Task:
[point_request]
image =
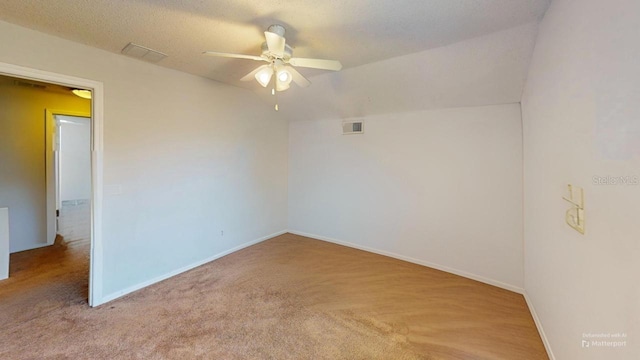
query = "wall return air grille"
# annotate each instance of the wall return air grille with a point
(352, 127)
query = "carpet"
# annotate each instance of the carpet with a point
(289, 297)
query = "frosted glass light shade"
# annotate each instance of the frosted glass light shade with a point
(284, 76)
(280, 86)
(264, 76)
(85, 94)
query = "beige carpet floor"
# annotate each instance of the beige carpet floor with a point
(286, 298)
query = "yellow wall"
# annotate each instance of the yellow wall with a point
(22, 157)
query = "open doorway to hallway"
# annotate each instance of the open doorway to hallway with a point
(72, 163)
(36, 179)
(97, 113)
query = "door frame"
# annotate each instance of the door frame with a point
(97, 149)
(52, 166)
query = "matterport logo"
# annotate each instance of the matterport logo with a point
(616, 180)
(604, 340)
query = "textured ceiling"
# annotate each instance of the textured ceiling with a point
(356, 32)
(486, 70)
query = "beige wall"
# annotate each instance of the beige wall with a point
(581, 112)
(185, 158)
(439, 187)
(22, 158)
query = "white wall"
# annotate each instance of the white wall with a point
(581, 111)
(487, 70)
(184, 158)
(439, 187)
(75, 157)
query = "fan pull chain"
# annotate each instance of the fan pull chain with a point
(274, 93)
(273, 90)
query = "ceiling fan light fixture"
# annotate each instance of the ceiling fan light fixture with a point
(280, 86)
(85, 94)
(264, 76)
(284, 76)
(280, 71)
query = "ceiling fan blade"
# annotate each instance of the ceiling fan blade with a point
(334, 65)
(251, 76)
(234, 56)
(275, 43)
(297, 77)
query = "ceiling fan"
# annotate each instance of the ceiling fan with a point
(279, 72)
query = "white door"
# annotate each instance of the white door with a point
(74, 157)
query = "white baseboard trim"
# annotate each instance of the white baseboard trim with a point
(120, 293)
(33, 247)
(536, 320)
(462, 273)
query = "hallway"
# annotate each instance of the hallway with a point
(43, 280)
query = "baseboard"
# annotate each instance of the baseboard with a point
(118, 294)
(38, 246)
(415, 261)
(536, 320)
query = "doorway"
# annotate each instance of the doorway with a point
(94, 202)
(72, 173)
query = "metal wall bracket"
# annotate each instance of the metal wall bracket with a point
(575, 215)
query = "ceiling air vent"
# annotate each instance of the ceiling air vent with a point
(143, 53)
(29, 84)
(352, 127)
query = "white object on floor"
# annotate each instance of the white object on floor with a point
(4, 243)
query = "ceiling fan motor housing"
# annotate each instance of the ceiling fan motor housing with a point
(288, 52)
(276, 29)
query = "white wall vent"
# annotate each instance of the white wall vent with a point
(352, 127)
(144, 53)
